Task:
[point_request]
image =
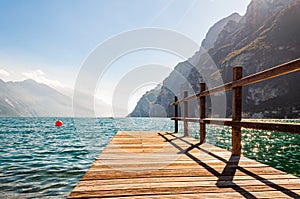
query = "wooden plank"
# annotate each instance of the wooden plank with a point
(145, 191)
(191, 183)
(103, 182)
(180, 168)
(272, 194)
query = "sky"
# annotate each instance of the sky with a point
(50, 40)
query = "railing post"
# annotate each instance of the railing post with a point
(176, 114)
(236, 112)
(202, 114)
(185, 114)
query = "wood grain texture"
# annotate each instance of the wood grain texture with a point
(176, 115)
(186, 115)
(293, 128)
(202, 112)
(236, 132)
(167, 165)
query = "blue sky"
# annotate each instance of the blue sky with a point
(49, 40)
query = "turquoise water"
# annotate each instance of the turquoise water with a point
(39, 160)
(277, 149)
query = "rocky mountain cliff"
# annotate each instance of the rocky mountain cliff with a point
(215, 30)
(266, 36)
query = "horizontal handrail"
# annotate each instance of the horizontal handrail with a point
(276, 71)
(236, 121)
(269, 126)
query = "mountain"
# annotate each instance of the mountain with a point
(266, 36)
(29, 98)
(215, 30)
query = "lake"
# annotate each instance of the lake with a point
(40, 160)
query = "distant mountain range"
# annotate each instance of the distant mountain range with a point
(29, 98)
(32, 99)
(266, 36)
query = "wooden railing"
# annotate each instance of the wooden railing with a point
(236, 121)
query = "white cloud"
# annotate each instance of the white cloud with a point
(40, 77)
(4, 73)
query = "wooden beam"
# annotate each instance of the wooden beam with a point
(202, 114)
(185, 114)
(289, 67)
(268, 126)
(176, 115)
(236, 136)
(276, 71)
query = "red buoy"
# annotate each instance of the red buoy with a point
(58, 123)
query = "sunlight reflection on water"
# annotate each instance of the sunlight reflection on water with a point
(41, 160)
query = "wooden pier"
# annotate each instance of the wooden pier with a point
(168, 165)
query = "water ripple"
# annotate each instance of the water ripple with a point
(39, 160)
